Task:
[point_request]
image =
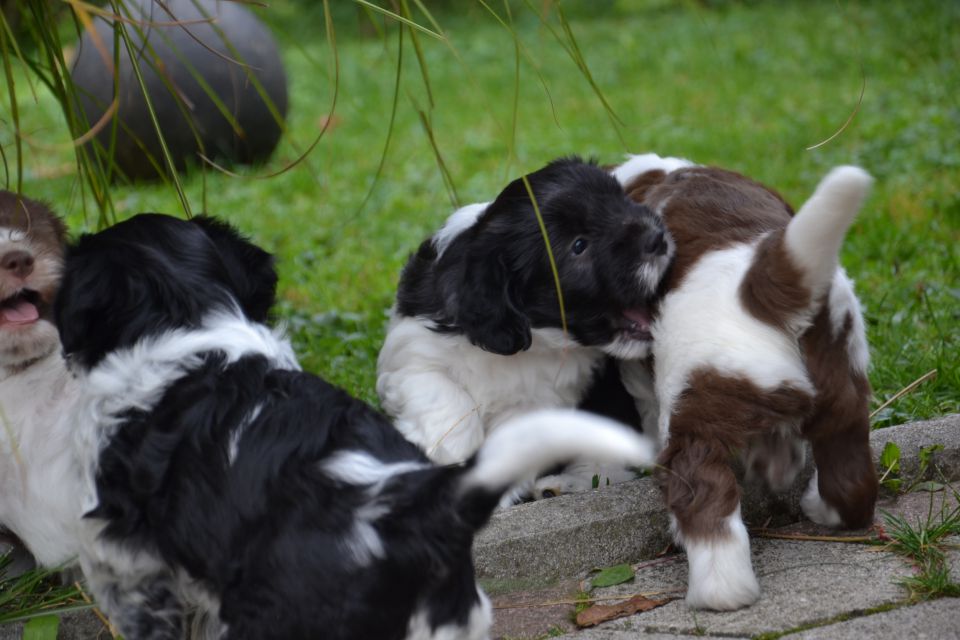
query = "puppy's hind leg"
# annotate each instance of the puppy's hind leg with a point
(843, 492)
(704, 500)
(137, 593)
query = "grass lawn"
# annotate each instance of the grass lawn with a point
(746, 86)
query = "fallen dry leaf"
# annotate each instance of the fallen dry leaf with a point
(604, 612)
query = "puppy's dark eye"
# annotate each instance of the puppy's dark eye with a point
(579, 246)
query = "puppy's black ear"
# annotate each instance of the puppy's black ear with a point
(100, 306)
(249, 268)
(489, 310)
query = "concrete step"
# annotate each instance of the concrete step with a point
(542, 542)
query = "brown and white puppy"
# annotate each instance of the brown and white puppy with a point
(759, 343)
(37, 471)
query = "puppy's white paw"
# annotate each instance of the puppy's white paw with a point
(721, 574)
(815, 508)
(581, 477)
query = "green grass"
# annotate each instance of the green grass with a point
(745, 86)
(924, 543)
(35, 594)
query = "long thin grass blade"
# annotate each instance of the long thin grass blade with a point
(399, 18)
(570, 45)
(421, 62)
(853, 114)
(331, 37)
(448, 182)
(151, 111)
(390, 126)
(530, 59)
(553, 263)
(14, 111)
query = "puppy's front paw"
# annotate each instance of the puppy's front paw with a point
(581, 477)
(559, 484)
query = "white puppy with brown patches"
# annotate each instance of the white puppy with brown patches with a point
(37, 472)
(759, 342)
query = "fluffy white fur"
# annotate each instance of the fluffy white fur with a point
(816, 509)
(460, 393)
(136, 378)
(38, 474)
(521, 445)
(814, 236)
(721, 573)
(636, 165)
(459, 221)
(844, 303)
(478, 626)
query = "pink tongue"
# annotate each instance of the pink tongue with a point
(640, 316)
(22, 313)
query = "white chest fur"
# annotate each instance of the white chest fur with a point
(447, 394)
(39, 476)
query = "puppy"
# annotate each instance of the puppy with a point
(220, 477)
(478, 334)
(758, 342)
(35, 388)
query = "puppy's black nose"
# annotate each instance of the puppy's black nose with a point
(655, 243)
(18, 262)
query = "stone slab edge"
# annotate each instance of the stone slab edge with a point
(563, 537)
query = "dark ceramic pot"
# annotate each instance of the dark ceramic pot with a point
(172, 58)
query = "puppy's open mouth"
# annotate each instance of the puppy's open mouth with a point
(637, 323)
(22, 308)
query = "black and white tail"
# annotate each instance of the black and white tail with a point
(530, 444)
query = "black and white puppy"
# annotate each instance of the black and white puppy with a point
(479, 333)
(36, 465)
(218, 476)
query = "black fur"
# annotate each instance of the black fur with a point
(494, 283)
(263, 532)
(116, 278)
(607, 396)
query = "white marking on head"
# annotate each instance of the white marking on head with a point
(636, 165)
(651, 272)
(459, 221)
